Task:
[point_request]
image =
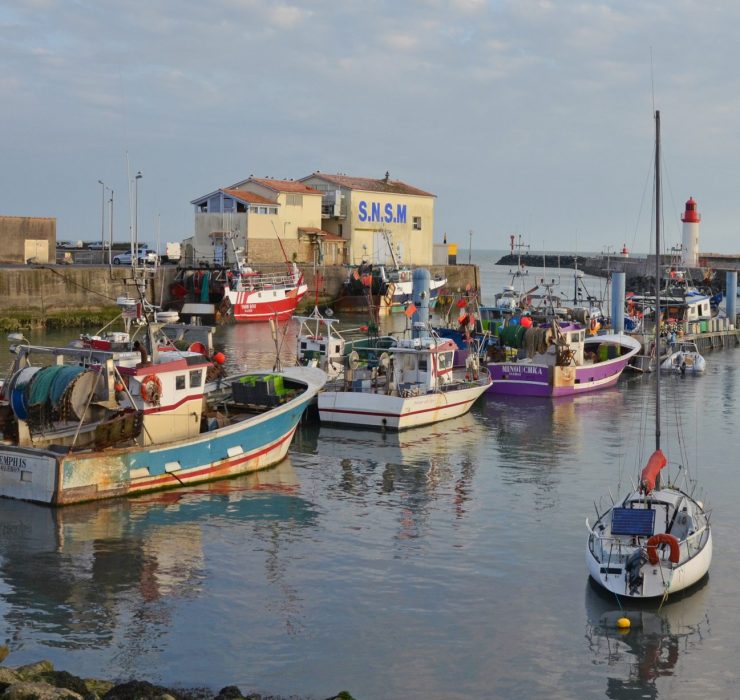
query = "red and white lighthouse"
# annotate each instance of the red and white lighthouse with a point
(690, 244)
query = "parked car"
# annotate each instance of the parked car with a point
(144, 257)
(98, 245)
(69, 244)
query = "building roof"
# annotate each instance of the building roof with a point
(294, 186)
(243, 195)
(368, 184)
(249, 197)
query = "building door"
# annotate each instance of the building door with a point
(382, 243)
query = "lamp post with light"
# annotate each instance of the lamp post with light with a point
(135, 250)
(102, 217)
(110, 221)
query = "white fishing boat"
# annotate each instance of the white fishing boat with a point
(685, 357)
(657, 540)
(319, 343)
(415, 383)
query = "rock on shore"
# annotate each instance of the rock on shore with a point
(40, 681)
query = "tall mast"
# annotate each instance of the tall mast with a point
(657, 282)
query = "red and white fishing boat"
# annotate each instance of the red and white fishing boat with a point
(260, 297)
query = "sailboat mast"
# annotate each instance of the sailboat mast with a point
(657, 280)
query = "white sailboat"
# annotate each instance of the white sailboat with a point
(658, 539)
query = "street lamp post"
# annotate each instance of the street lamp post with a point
(110, 237)
(134, 252)
(102, 216)
(470, 247)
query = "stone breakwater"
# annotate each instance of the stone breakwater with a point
(40, 681)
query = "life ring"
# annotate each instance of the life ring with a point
(663, 538)
(151, 389)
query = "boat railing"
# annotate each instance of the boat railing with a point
(616, 549)
(261, 282)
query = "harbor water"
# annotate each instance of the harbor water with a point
(443, 563)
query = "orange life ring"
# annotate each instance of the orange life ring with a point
(663, 538)
(151, 388)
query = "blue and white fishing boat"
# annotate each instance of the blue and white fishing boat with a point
(107, 420)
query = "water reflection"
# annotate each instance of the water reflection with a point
(73, 575)
(408, 470)
(651, 648)
(532, 431)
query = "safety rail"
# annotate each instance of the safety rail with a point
(258, 282)
(688, 548)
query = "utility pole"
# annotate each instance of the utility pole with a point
(102, 218)
(135, 251)
(110, 241)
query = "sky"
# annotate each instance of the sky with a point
(524, 117)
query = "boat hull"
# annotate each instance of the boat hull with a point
(679, 578)
(366, 409)
(530, 379)
(263, 305)
(59, 479)
(526, 379)
(358, 303)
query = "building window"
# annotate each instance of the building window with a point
(417, 223)
(294, 200)
(273, 210)
(340, 229)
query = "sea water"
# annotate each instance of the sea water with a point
(444, 562)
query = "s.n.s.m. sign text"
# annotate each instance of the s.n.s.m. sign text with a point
(383, 213)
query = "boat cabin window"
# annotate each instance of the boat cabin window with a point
(445, 360)
(196, 377)
(409, 361)
(180, 381)
(423, 363)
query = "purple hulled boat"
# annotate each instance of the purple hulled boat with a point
(558, 359)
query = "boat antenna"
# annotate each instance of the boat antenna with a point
(657, 286)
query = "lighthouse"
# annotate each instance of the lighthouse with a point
(690, 244)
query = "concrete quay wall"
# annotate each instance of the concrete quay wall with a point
(43, 290)
(60, 288)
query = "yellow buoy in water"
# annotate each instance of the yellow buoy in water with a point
(623, 623)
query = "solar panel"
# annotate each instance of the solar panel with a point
(633, 521)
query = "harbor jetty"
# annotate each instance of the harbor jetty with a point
(638, 269)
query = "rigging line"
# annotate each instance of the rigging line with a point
(666, 176)
(76, 284)
(642, 204)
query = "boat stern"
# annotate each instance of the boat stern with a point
(29, 475)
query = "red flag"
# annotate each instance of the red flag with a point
(462, 303)
(356, 275)
(410, 309)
